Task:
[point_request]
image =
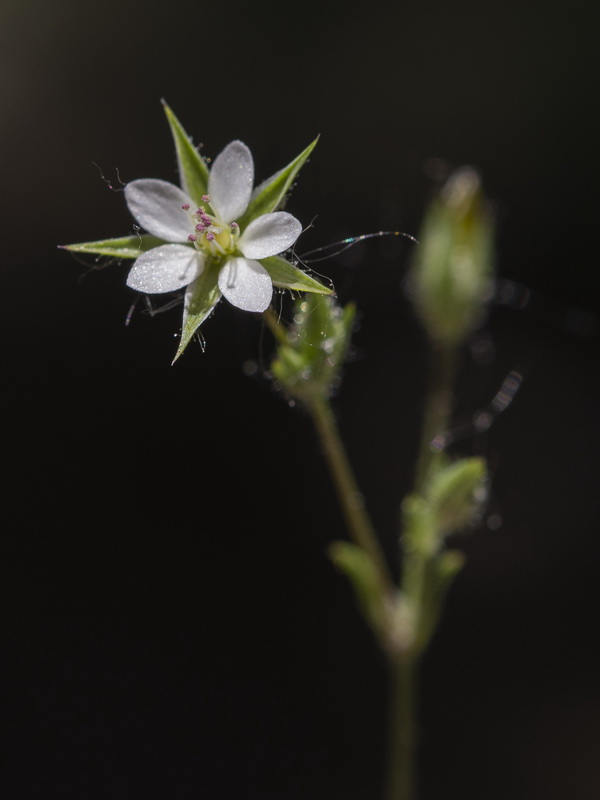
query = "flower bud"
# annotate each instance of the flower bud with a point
(452, 269)
(307, 366)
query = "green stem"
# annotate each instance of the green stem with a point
(350, 498)
(401, 771)
(438, 406)
(415, 585)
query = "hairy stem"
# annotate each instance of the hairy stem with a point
(351, 500)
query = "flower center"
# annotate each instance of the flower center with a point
(210, 234)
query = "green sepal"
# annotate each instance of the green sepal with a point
(193, 172)
(287, 276)
(271, 194)
(123, 247)
(200, 298)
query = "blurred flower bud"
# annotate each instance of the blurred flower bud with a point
(307, 366)
(452, 269)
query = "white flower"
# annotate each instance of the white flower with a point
(209, 236)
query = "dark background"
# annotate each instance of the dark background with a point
(171, 625)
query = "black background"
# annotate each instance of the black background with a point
(171, 625)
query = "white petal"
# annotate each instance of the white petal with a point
(230, 181)
(165, 269)
(156, 206)
(246, 284)
(269, 235)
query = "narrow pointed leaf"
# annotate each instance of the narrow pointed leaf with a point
(270, 195)
(201, 297)
(123, 247)
(193, 172)
(442, 572)
(358, 566)
(287, 276)
(456, 493)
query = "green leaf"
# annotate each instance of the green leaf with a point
(200, 298)
(388, 613)
(456, 493)
(441, 573)
(270, 195)
(287, 276)
(123, 247)
(358, 566)
(193, 172)
(419, 529)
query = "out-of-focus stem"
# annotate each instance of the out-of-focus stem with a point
(438, 406)
(415, 586)
(402, 723)
(350, 498)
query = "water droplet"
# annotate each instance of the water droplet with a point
(482, 421)
(494, 521)
(250, 368)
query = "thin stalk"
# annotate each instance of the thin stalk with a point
(438, 406)
(402, 738)
(415, 586)
(351, 500)
(400, 781)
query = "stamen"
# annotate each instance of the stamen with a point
(186, 206)
(205, 199)
(210, 234)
